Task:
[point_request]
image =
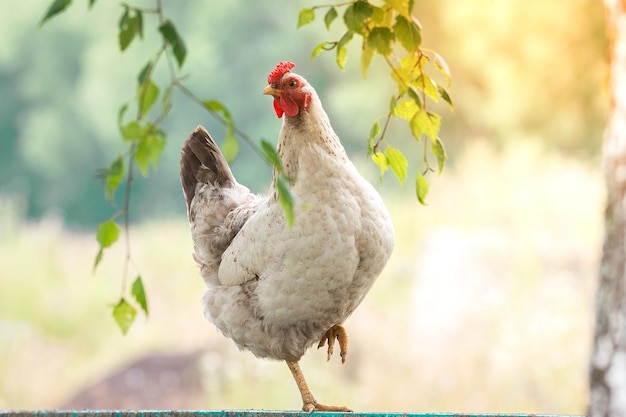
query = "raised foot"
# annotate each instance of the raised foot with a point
(315, 406)
(339, 333)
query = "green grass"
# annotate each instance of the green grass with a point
(485, 306)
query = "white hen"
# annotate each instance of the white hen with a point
(276, 290)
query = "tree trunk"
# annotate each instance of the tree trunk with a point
(608, 361)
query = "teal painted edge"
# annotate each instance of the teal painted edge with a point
(239, 413)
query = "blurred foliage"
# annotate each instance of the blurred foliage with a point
(521, 71)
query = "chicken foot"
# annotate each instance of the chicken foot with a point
(338, 332)
(308, 400)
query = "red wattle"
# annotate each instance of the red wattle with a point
(277, 109)
(289, 106)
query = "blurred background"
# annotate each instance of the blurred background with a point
(487, 302)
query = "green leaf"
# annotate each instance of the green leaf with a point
(380, 159)
(170, 34)
(137, 290)
(149, 151)
(306, 16)
(108, 232)
(147, 95)
(145, 73)
(132, 131)
(217, 107)
(166, 99)
(406, 109)
(113, 177)
(408, 34)
(230, 147)
(398, 163)
(380, 38)
(427, 123)
(445, 96)
(440, 153)
(392, 103)
(129, 27)
(443, 67)
(356, 14)
(139, 23)
(120, 115)
(55, 8)
(91, 3)
(318, 49)
(379, 16)
(367, 53)
(124, 315)
(272, 155)
(375, 131)
(98, 258)
(330, 17)
(342, 51)
(421, 188)
(286, 200)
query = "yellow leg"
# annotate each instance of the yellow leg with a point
(336, 332)
(308, 400)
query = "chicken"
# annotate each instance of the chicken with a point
(276, 289)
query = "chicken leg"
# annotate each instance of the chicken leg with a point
(308, 400)
(338, 332)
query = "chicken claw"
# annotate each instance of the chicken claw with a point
(309, 403)
(336, 332)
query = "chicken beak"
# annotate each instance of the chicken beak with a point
(271, 91)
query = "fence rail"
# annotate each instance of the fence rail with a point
(239, 413)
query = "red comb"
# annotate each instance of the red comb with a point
(277, 73)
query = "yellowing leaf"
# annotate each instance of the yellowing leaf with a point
(427, 123)
(366, 58)
(306, 16)
(124, 315)
(318, 50)
(342, 51)
(440, 153)
(406, 109)
(427, 85)
(397, 162)
(421, 188)
(380, 159)
(402, 6)
(443, 67)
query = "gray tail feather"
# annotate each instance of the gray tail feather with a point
(202, 161)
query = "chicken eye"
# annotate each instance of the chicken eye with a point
(293, 83)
